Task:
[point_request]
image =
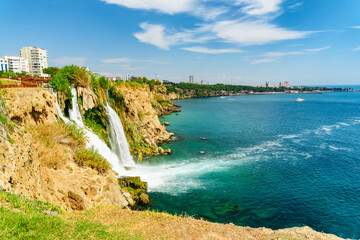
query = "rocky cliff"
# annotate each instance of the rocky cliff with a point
(28, 166)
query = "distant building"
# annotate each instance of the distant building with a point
(202, 82)
(191, 79)
(267, 84)
(287, 84)
(4, 64)
(37, 58)
(17, 64)
(127, 77)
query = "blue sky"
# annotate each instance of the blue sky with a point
(306, 42)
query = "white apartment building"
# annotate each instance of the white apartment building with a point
(4, 64)
(191, 79)
(17, 64)
(38, 60)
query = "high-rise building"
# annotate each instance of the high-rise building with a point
(287, 84)
(191, 79)
(38, 59)
(17, 64)
(4, 64)
(202, 82)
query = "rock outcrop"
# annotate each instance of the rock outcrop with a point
(28, 107)
(89, 99)
(141, 109)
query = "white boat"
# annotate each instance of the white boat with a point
(300, 99)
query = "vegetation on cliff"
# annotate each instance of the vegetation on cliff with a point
(100, 91)
(198, 90)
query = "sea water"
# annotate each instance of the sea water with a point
(270, 162)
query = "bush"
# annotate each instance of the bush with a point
(91, 158)
(60, 83)
(104, 83)
(82, 77)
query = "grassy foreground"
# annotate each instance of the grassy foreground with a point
(21, 218)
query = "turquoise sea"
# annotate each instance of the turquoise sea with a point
(270, 162)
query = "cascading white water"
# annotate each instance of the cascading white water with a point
(93, 140)
(75, 111)
(61, 114)
(118, 141)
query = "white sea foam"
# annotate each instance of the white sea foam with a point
(177, 178)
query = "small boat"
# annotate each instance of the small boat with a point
(300, 99)
(204, 139)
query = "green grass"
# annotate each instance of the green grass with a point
(21, 218)
(91, 158)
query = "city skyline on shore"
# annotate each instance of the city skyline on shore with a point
(236, 42)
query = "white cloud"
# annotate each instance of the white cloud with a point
(255, 30)
(356, 27)
(117, 60)
(260, 7)
(155, 35)
(158, 36)
(295, 5)
(80, 61)
(254, 33)
(357, 49)
(164, 6)
(281, 54)
(318, 49)
(211, 51)
(264, 60)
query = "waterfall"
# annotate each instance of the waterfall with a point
(61, 114)
(118, 141)
(75, 111)
(93, 140)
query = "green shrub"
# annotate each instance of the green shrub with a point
(104, 83)
(96, 119)
(91, 158)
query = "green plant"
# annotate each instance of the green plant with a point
(104, 83)
(96, 119)
(91, 158)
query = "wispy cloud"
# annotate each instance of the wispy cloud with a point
(117, 60)
(127, 60)
(356, 27)
(254, 32)
(158, 36)
(357, 49)
(263, 60)
(164, 6)
(260, 7)
(70, 61)
(281, 54)
(318, 49)
(211, 51)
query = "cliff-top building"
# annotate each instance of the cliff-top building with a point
(4, 64)
(38, 60)
(17, 64)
